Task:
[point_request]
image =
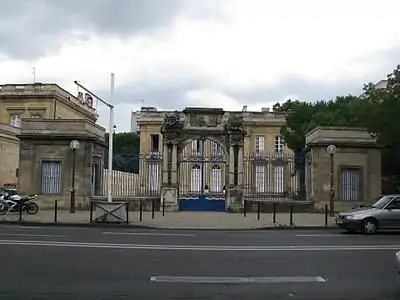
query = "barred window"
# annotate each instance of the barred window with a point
(51, 178)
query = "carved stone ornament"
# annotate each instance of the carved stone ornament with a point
(26, 145)
(203, 120)
(235, 123)
(172, 122)
(237, 139)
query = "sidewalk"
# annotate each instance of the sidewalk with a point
(183, 220)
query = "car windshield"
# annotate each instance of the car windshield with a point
(380, 202)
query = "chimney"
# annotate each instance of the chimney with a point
(244, 108)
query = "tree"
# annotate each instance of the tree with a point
(383, 108)
(382, 119)
(377, 110)
(125, 152)
(302, 117)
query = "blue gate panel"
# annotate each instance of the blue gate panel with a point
(201, 203)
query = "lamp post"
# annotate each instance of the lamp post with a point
(331, 149)
(74, 145)
(111, 130)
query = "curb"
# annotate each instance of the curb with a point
(136, 226)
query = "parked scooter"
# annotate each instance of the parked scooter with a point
(11, 203)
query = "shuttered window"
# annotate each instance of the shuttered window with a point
(51, 178)
(279, 178)
(350, 184)
(153, 177)
(260, 178)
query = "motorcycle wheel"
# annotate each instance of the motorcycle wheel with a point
(31, 208)
(3, 209)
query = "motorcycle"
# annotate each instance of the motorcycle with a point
(16, 203)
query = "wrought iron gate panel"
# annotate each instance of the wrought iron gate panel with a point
(272, 177)
(202, 177)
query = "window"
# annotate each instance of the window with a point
(15, 120)
(153, 177)
(216, 179)
(154, 142)
(195, 184)
(395, 204)
(197, 146)
(350, 187)
(259, 144)
(216, 148)
(51, 178)
(278, 178)
(279, 144)
(260, 179)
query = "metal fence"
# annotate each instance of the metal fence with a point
(202, 176)
(134, 175)
(275, 177)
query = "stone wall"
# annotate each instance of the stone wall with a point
(49, 141)
(355, 150)
(9, 149)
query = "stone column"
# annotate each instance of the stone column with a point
(169, 190)
(240, 166)
(174, 175)
(231, 165)
(165, 164)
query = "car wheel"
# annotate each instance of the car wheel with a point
(369, 226)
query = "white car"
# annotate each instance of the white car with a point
(398, 262)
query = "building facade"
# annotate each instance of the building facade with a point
(33, 101)
(268, 166)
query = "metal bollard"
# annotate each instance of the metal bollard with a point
(141, 211)
(20, 212)
(244, 208)
(152, 208)
(55, 210)
(291, 214)
(127, 213)
(91, 211)
(326, 215)
(258, 209)
(163, 208)
(274, 213)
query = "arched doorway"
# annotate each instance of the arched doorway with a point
(202, 176)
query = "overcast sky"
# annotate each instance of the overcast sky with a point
(216, 53)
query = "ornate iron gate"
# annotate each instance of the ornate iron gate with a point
(202, 177)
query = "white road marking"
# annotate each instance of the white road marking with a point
(32, 235)
(325, 235)
(147, 234)
(199, 247)
(235, 280)
(21, 227)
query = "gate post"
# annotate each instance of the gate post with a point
(235, 192)
(169, 188)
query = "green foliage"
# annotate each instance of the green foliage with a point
(377, 110)
(302, 117)
(383, 108)
(126, 152)
(125, 142)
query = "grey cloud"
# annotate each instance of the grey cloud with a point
(31, 28)
(174, 98)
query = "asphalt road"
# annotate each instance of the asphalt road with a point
(94, 263)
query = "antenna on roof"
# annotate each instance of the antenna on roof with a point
(141, 102)
(34, 74)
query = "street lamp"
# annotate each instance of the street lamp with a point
(111, 130)
(331, 149)
(74, 145)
